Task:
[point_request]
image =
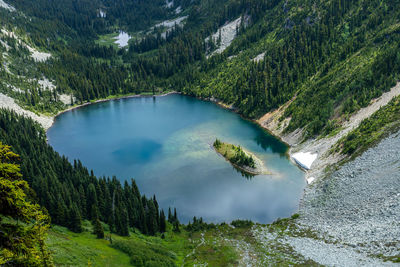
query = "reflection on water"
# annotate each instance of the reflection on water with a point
(268, 142)
(165, 144)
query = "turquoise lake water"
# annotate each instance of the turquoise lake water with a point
(165, 144)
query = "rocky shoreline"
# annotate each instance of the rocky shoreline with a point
(354, 211)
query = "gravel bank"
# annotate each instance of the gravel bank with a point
(228, 34)
(332, 255)
(322, 146)
(9, 103)
(6, 6)
(357, 206)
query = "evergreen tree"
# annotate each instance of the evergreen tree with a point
(60, 186)
(98, 229)
(163, 223)
(75, 221)
(151, 218)
(170, 218)
(91, 200)
(95, 213)
(175, 216)
(175, 227)
(21, 244)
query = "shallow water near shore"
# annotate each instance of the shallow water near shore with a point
(165, 144)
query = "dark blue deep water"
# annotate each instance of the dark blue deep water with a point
(165, 145)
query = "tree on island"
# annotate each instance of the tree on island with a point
(217, 143)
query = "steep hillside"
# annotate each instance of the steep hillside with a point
(322, 75)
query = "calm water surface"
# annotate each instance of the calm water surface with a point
(165, 145)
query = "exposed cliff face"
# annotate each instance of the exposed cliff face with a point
(322, 145)
(352, 212)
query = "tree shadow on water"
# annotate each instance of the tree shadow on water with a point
(245, 174)
(267, 141)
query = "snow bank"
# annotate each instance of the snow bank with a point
(102, 14)
(6, 6)
(122, 39)
(310, 180)
(305, 160)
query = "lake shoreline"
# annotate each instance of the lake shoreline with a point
(169, 139)
(212, 100)
(105, 100)
(255, 121)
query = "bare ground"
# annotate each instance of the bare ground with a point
(9, 103)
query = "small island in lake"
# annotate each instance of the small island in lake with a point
(239, 158)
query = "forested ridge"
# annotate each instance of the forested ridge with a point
(343, 51)
(325, 59)
(70, 193)
(346, 52)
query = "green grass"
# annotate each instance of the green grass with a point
(219, 246)
(81, 249)
(72, 249)
(108, 39)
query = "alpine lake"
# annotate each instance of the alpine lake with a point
(165, 144)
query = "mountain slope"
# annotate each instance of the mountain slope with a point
(315, 73)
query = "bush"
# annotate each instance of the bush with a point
(242, 223)
(144, 254)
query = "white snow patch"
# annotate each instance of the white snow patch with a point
(305, 160)
(259, 57)
(228, 34)
(102, 14)
(9, 103)
(122, 39)
(6, 6)
(310, 180)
